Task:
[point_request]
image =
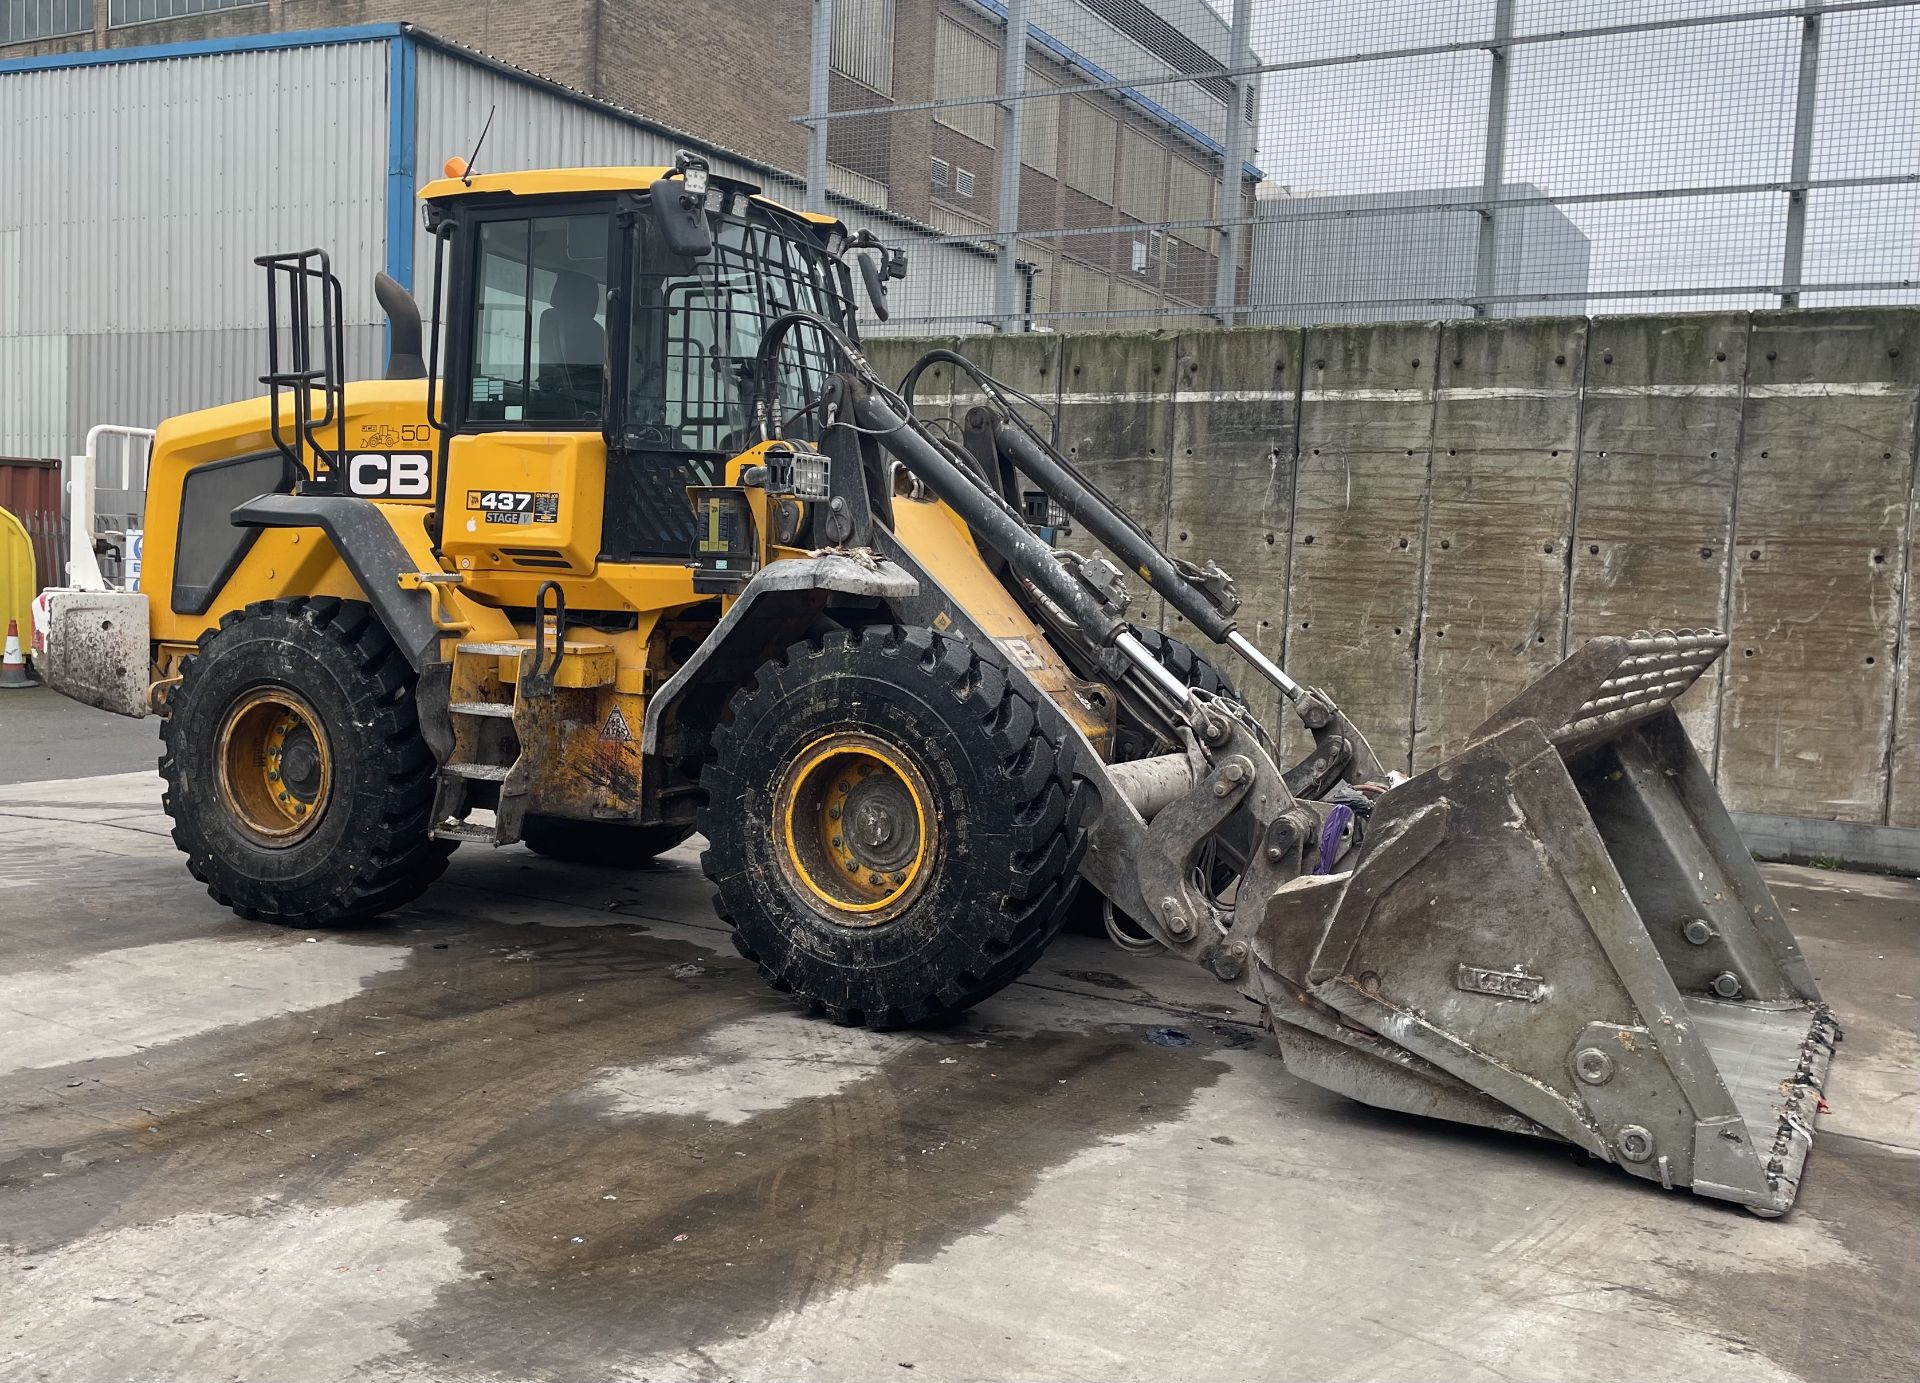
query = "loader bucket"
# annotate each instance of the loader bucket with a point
(1558, 931)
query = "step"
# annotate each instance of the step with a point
(486, 773)
(499, 710)
(463, 830)
(585, 664)
(507, 648)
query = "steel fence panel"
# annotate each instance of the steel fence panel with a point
(1395, 158)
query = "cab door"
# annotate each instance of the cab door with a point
(528, 386)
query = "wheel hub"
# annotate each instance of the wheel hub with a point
(857, 820)
(884, 829)
(273, 767)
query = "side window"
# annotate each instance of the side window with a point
(539, 329)
(697, 330)
(713, 336)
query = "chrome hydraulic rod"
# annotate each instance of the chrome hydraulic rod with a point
(1111, 527)
(1155, 670)
(1264, 665)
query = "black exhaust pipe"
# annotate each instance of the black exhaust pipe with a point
(404, 360)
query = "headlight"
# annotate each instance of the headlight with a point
(693, 169)
(800, 471)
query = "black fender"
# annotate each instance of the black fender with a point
(778, 605)
(372, 551)
(377, 558)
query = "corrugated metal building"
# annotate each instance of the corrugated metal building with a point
(1393, 256)
(141, 182)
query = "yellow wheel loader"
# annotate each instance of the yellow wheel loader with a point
(653, 551)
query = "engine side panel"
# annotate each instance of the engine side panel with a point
(198, 566)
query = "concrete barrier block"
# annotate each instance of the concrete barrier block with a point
(1235, 433)
(1820, 520)
(1366, 428)
(1659, 447)
(1506, 427)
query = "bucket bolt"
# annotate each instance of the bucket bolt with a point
(1726, 984)
(1636, 1144)
(1234, 771)
(1698, 931)
(1227, 962)
(1175, 918)
(1593, 1066)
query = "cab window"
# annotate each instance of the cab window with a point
(539, 329)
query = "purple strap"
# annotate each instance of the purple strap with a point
(1330, 837)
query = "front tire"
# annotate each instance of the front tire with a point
(890, 825)
(298, 783)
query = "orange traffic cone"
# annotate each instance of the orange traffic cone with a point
(13, 663)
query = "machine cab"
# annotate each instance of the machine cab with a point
(603, 333)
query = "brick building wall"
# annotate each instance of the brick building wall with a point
(734, 72)
(554, 38)
(731, 71)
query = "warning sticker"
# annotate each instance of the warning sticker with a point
(1022, 653)
(616, 727)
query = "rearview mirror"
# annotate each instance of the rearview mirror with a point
(876, 285)
(680, 208)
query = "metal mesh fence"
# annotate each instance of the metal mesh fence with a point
(1389, 158)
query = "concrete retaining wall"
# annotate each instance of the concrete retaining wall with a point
(1423, 517)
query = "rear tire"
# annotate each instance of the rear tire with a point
(611, 844)
(298, 783)
(966, 848)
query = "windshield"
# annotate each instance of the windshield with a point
(697, 328)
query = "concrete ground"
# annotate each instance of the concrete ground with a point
(547, 1125)
(44, 735)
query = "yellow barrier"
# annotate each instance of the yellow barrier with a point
(17, 584)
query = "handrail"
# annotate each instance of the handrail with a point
(82, 479)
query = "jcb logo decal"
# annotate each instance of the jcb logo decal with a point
(400, 474)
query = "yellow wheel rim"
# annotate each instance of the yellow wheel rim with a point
(857, 822)
(273, 766)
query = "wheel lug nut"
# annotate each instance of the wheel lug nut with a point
(836, 843)
(833, 813)
(898, 877)
(875, 879)
(273, 775)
